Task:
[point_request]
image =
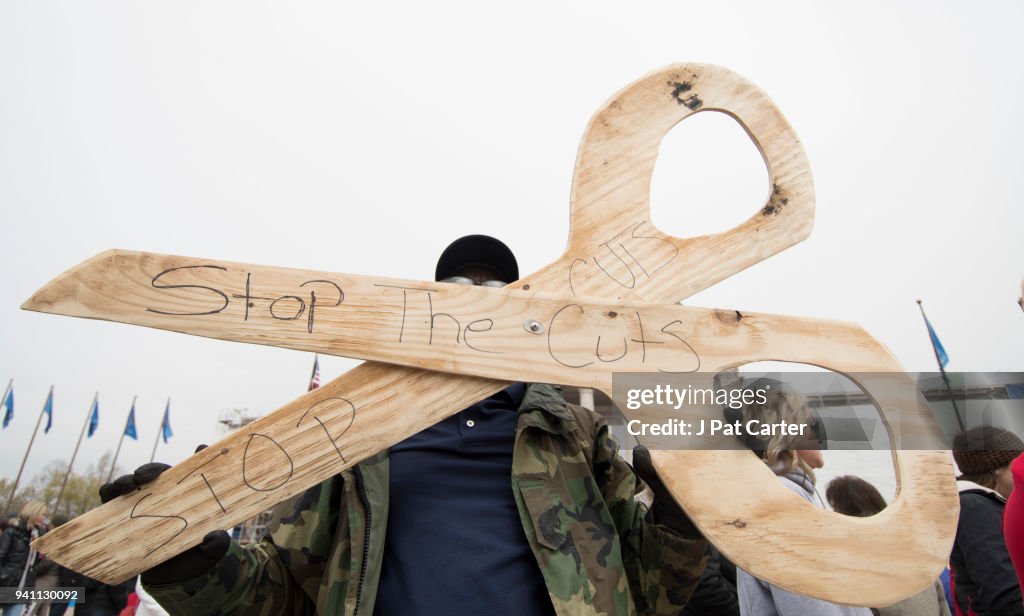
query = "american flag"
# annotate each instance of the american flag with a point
(314, 381)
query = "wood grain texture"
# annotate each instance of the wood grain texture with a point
(476, 331)
(616, 254)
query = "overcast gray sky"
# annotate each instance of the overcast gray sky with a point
(362, 137)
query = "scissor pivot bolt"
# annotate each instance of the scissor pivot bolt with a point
(532, 326)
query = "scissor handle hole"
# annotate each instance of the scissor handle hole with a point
(709, 177)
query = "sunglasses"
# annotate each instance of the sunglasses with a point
(469, 281)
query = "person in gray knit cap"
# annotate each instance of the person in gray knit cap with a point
(982, 576)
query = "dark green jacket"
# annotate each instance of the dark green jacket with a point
(597, 552)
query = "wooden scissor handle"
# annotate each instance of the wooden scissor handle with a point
(615, 251)
(739, 505)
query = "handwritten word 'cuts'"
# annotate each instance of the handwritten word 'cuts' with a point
(625, 338)
(263, 464)
(287, 307)
(622, 259)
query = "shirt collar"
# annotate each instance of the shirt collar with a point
(513, 394)
(962, 485)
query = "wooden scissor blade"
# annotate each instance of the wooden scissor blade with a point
(498, 333)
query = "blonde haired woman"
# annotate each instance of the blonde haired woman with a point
(17, 557)
(793, 459)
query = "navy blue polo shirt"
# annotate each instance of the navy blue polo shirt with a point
(455, 544)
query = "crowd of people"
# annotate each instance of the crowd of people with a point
(521, 505)
(986, 564)
(22, 568)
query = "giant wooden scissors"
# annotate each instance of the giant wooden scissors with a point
(608, 304)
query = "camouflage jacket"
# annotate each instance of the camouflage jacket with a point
(597, 550)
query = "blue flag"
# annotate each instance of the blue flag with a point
(939, 351)
(94, 418)
(9, 404)
(129, 426)
(167, 422)
(48, 410)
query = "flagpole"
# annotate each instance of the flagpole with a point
(945, 379)
(17, 480)
(160, 432)
(316, 365)
(88, 420)
(120, 442)
(6, 391)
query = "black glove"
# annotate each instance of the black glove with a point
(665, 510)
(191, 563)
